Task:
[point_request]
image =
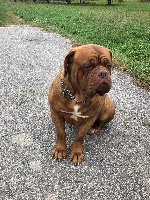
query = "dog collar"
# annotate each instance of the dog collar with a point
(67, 92)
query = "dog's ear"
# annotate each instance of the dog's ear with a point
(68, 61)
(110, 54)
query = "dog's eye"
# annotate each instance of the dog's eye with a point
(88, 67)
(109, 66)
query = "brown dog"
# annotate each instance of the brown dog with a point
(78, 96)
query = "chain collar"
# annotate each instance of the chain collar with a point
(67, 92)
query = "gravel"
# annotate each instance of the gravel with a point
(116, 160)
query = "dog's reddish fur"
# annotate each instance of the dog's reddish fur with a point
(87, 75)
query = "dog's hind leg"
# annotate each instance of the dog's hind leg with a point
(95, 128)
(105, 117)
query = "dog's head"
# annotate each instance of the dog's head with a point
(88, 68)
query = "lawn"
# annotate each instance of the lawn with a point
(125, 29)
(3, 14)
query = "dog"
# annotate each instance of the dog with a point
(78, 96)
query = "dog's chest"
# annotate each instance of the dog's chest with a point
(75, 114)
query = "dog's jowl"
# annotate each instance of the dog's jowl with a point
(78, 96)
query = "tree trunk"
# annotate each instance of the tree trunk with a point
(109, 2)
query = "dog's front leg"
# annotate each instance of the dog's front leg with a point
(60, 150)
(77, 152)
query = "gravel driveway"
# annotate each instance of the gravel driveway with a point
(116, 160)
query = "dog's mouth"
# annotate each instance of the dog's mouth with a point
(97, 82)
(102, 89)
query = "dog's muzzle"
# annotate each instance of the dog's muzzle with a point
(97, 82)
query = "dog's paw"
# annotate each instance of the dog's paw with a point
(76, 157)
(59, 153)
(94, 130)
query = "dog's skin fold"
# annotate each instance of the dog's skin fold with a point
(87, 75)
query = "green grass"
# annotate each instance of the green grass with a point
(124, 29)
(3, 14)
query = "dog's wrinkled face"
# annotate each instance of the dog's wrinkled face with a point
(89, 68)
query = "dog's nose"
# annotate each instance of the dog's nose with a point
(102, 74)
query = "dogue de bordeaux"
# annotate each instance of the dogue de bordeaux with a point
(78, 96)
